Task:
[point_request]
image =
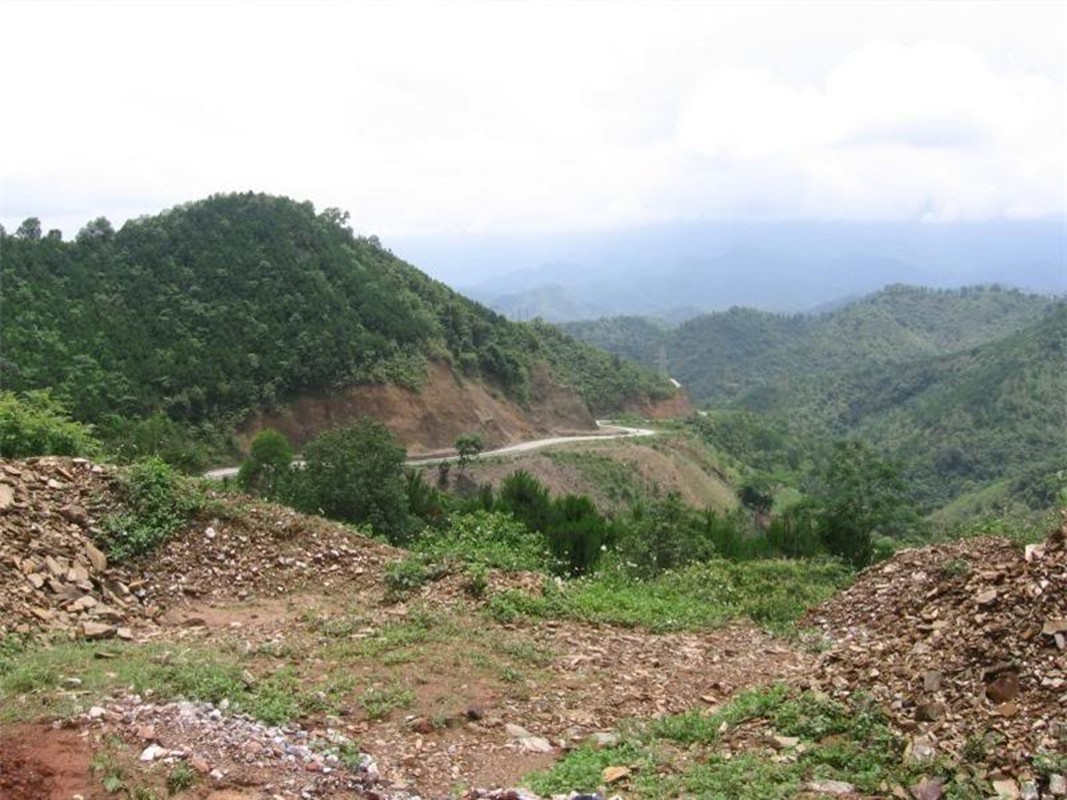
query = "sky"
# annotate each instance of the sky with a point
(475, 118)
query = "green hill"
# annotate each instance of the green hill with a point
(240, 301)
(960, 423)
(720, 357)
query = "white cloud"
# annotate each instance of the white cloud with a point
(919, 131)
(523, 116)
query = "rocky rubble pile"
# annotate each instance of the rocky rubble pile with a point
(232, 748)
(261, 550)
(964, 646)
(52, 575)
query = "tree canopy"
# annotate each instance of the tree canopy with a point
(241, 301)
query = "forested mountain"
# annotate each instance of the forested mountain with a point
(959, 423)
(239, 301)
(722, 356)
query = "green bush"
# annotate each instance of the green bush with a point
(490, 538)
(577, 534)
(187, 447)
(355, 474)
(268, 464)
(522, 495)
(158, 502)
(37, 424)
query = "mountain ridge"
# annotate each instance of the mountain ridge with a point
(243, 302)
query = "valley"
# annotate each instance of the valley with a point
(825, 565)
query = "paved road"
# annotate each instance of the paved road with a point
(609, 431)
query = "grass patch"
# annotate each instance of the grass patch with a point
(618, 482)
(379, 702)
(32, 682)
(772, 593)
(180, 778)
(694, 754)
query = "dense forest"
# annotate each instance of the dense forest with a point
(720, 357)
(964, 389)
(241, 301)
(986, 420)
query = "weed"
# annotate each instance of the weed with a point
(476, 581)
(956, 568)
(701, 596)
(510, 675)
(525, 651)
(207, 675)
(973, 750)
(105, 764)
(159, 501)
(349, 756)
(409, 574)
(379, 702)
(849, 742)
(180, 778)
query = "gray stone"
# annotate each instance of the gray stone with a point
(928, 789)
(516, 731)
(535, 744)
(827, 786)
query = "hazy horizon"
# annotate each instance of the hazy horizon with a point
(438, 123)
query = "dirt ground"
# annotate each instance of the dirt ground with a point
(42, 762)
(468, 683)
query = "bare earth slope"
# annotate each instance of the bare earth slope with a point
(431, 418)
(428, 694)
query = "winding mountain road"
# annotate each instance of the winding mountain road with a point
(608, 431)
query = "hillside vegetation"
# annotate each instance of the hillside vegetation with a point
(720, 357)
(961, 422)
(240, 301)
(964, 389)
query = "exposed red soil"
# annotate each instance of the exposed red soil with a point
(429, 419)
(40, 762)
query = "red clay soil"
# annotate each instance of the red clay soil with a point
(430, 419)
(39, 762)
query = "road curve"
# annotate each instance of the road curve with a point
(609, 431)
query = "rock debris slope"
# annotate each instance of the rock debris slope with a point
(51, 574)
(963, 644)
(55, 577)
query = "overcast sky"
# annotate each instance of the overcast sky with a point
(515, 117)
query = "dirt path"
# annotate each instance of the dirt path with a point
(608, 431)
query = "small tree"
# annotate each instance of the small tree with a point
(356, 474)
(469, 446)
(268, 464)
(860, 495)
(30, 229)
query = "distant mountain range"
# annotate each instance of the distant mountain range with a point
(678, 271)
(966, 388)
(725, 355)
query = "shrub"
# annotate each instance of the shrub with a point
(576, 533)
(522, 495)
(469, 446)
(356, 474)
(36, 424)
(267, 466)
(158, 502)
